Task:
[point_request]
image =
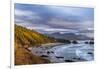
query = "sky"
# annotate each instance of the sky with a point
(50, 19)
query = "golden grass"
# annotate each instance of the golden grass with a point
(25, 38)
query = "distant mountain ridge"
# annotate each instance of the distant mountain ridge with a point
(69, 36)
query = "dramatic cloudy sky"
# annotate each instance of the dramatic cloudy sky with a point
(50, 19)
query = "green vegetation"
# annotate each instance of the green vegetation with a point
(25, 38)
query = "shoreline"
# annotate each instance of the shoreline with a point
(52, 44)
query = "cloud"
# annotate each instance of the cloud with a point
(79, 12)
(70, 25)
(68, 10)
(19, 12)
(26, 16)
(54, 18)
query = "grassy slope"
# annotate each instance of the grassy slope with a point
(25, 38)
